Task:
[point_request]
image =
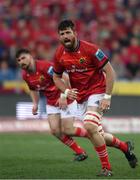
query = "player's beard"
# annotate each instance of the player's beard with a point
(25, 66)
(69, 44)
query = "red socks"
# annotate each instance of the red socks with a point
(103, 155)
(72, 144)
(81, 132)
(119, 144)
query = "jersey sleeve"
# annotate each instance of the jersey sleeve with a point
(24, 78)
(47, 68)
(30, 87)
(99, 58)
(58, 66)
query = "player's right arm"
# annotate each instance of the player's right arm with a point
(64, 87)
(58, 70)
(59, 82)
(57, 76)
(33, 94)
(35, 99)
(70, 93)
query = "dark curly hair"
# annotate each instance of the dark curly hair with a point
(63, 25)
(22, 51)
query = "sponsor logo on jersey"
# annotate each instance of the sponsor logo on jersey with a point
(99, 55)
(73, 70)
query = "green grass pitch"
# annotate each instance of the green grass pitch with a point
(41, 156)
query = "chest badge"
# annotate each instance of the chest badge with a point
(82, 60)
(41, 78)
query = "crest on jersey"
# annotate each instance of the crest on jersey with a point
(82, 60)
(41, 78)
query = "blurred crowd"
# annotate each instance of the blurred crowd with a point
(114, 25)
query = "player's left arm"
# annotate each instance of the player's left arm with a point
(102, 63)
(110, 78)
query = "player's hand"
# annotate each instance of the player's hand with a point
(62, 102)
(72, 93)
(35, 109)
(104, 105)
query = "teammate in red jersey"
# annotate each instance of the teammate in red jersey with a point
(38, 76)
(91, 78)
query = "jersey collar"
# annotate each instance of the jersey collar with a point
(74, 50)
(34, 68)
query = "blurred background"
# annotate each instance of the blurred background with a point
(113, 25)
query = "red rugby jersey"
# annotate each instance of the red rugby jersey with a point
(84, 66)
(41, 80)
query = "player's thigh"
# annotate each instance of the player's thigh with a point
(93, 102)
(91, 110)
(81, 110)
(92, 119)
(54, 117)
(67, 123)
(70, 111)
(54, 121)
(68, 116)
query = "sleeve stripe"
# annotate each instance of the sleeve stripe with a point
(107, 60)
(59, 73)
(50, 71)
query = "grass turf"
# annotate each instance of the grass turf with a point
(41, 156)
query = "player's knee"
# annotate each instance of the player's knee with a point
(91, 128)
(56, 132)
(67, 130)
(100, 130)
(68, 127)
(91, 121)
